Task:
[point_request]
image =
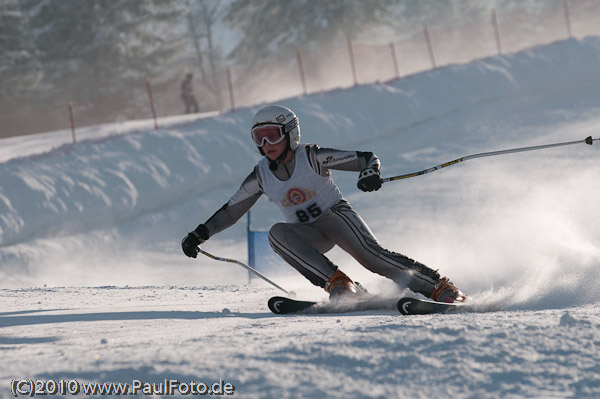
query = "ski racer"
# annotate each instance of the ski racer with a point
(297, 178)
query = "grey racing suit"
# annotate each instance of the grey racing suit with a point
(302, 243)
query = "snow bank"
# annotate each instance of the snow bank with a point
(97, 183)
(112, 209)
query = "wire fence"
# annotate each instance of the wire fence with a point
(306, 70)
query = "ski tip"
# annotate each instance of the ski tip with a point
(275, 304)
(414, 306)
(283, 305)
(405, 305)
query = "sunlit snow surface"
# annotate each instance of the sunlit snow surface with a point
(104, 218)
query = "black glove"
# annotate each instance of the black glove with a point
(369, 180)
(190, 243)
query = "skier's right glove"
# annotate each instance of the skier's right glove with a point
(369, 180)
(194, 238)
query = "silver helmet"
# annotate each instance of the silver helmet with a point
(282, 117)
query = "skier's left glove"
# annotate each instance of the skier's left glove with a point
(191, 242)
(369, 180)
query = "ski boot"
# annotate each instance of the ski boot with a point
(445, 291)
(340, 286)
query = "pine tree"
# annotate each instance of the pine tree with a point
(94, 48)
(202, 18)
(272, 26)
(20, 71)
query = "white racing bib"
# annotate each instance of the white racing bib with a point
(304, 196)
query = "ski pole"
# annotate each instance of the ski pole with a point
(237, 262)
(588, 140)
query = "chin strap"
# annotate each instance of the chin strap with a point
(273, 163)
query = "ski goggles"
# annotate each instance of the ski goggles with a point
(271, 133)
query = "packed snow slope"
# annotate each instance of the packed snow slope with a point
(518, 229)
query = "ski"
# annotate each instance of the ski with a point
(405, 305)
(283, 305)
(413, 306)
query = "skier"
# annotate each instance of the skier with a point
(187, 94)
(297, 178)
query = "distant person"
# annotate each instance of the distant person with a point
(187, 94)
(297, 178)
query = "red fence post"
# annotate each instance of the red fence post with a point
(230, 82)
(496, 32)
(70, 104)
(429, 46)
(352, 63)
(301, 70)
(394, 59)
(149, 87)
(567, 17)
